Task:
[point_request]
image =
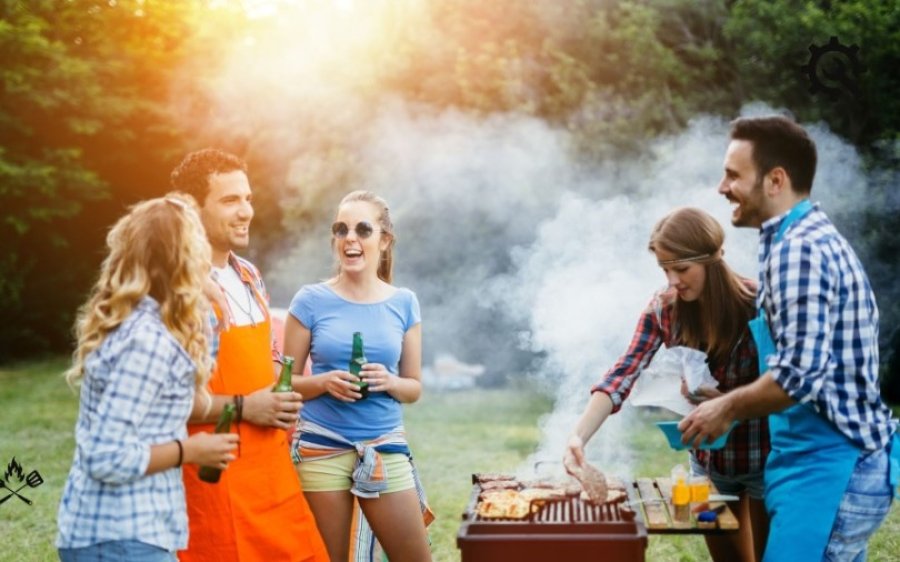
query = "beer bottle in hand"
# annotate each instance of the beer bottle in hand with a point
(208, 473)
(357, 360)
(284, 381)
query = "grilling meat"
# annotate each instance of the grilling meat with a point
(483, 477)
(503, 504)
(592, 481)
(500, 485)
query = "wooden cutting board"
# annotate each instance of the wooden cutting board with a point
(653, 497)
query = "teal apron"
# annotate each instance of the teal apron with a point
(810, 463)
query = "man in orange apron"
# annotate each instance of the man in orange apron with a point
(257, 511)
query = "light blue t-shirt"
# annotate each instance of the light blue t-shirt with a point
(331, 319)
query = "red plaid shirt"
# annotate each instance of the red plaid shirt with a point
(249, 276)
(748, 444)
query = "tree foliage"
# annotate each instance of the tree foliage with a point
(100, 99)
(84, 131)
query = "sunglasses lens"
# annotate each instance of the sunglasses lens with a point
(364, 229)
(340, 229)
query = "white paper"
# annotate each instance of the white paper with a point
(695, 369)
(659, 385)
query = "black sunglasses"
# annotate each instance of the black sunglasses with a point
(363, 230)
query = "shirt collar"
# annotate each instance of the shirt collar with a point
(147, 304)
(245, 275)
(769, 228)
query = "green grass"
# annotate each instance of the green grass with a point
(37, 420)
(453, 435)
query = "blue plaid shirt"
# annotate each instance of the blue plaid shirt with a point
(137, 391)
(824, 322)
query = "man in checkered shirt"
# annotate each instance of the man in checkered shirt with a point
(835, 459)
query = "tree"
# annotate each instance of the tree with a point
(86, 130)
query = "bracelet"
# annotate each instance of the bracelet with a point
(238, 407)
(180, 453)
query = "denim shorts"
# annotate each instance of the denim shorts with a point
(751, 482)
(335, 473)
(132, 551)
(864, 506)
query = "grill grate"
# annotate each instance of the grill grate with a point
(574, 510)
(568, 510)
(560, 529)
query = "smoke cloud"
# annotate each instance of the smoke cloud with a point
(524, 259)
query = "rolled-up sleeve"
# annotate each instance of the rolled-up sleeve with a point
(114, 452)
(801, 294)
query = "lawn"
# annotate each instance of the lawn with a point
(453, 435)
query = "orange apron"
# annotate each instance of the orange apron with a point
(257, 511)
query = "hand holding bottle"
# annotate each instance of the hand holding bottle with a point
(378, 377)
(272, 409)
(210, 449)
(341, 385)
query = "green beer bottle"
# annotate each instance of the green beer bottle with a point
(357, 360)
(284, 381)
(208, 473)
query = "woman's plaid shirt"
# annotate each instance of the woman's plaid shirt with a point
(748, 444)
(138, 391)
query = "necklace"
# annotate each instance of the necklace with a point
(231, 299)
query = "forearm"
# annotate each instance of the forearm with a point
(406, 390)
(309, 386)
(598, 409)
(761, 398)
(165, 456)
(208, 410)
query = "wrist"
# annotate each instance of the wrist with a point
(238, 401)
(731, 405)
(180, 459)
(187, 451)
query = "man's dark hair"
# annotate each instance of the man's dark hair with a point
(779, 142)
(192, 175)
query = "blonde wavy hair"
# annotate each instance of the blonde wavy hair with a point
(158, 249)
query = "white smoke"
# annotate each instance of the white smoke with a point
(525, 259)
(515, 248)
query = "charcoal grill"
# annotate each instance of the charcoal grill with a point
(564, 529)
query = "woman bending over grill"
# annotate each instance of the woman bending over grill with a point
(706, 306)
(141, 355)
(350, 447)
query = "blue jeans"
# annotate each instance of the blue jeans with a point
(864, 506)
(130, 551)
(751, 482)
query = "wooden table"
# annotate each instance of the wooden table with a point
(652, 499)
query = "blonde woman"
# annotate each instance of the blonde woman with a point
(348, 445)
(706, 306)
(141, 355)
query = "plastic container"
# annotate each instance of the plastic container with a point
(670, 429)
(699, 486)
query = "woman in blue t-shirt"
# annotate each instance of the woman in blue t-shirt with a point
(348, 446)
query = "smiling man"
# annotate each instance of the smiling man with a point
(256, 512)
(835, 459)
